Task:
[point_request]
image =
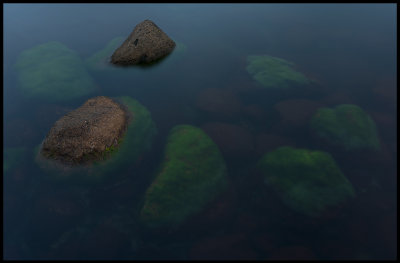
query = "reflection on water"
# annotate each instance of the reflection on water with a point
(348, 51)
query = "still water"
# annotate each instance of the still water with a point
(349, 49)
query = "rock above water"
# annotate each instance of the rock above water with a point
(308, 182)
(147, 43)
(96, 140)
(85, 133)
(52, 71)
(192, 174)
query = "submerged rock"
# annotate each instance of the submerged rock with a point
(346, 125)
(308, 182)
(275, 73)
(147, 43)
(52, 71)
(97, 138)
(192, 174)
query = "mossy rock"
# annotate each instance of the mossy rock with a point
(136, 140)
(12, 158)
(308, 182)
(53, 72)
(346, 125)
(275, 73)
(192, 174)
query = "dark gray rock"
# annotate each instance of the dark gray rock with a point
(84, 134)
(147, 43)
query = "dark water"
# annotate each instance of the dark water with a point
(349, 49)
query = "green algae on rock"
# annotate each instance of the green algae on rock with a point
(52, 71)
(346, 125)
(274, 73)
(192, 174)
(135, 141)
(308, 182)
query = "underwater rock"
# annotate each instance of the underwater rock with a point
(219, 103)
(53, 72)
(96, 139)
(191, 175)
(147, 43)
(233, 141)
(346, 125)
(275, 73)
(309, 182)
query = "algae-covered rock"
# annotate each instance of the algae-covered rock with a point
(192, 174)
(274, 73)
(136, 140)
(308, 182)
(346, 125)
(12, 158)
(52, 71)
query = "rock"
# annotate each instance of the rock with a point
(346, 125)
(275, 73)
(219, 103)
(84, 134)
(97, 139)
(147, 43)
(192, 174)
(233, 141)
(309, 182)
(53, 72)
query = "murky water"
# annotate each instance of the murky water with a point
(350, 50)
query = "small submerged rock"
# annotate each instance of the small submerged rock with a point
(147, 43)
(51, 71)
(308, 182)
(103, 133)
(192, 174)
(346, 125)
(275, 73)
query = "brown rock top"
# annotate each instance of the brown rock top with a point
(145, 44)
(84, 134)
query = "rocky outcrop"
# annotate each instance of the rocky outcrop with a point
(147, 43)
(84, 134)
